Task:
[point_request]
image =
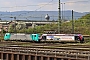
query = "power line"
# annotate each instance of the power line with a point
(44, 5)
(30, 5)
(19, 6)
(40, 7)
(77, 1)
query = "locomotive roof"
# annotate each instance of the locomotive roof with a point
(62, 34)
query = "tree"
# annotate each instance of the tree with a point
(11, 28)
(21, 25)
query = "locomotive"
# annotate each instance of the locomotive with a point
(44, 37)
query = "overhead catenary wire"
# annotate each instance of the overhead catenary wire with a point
(46, 4)
(19, 6)
(42, 6)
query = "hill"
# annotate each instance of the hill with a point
(39, 15)
(82, 25)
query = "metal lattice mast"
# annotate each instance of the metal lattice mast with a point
(72, 23)
(59, 18)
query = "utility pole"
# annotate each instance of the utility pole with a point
(62, 10)
(72, 23)
(15, 24)
(59, 18)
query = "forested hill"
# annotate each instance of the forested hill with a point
(82, 25)
(87, 16)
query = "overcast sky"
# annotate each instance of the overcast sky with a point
(44, 5)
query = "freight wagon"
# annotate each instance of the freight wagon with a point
(44, 37)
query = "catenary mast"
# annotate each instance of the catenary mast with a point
(59, 18)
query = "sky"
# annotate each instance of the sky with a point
(44, 5)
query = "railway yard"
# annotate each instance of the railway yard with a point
(68, 51)
(45, 30)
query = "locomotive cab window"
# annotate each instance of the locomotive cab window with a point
(34, 35)
(44, 37)
(76, 37)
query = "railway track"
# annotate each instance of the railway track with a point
(10, 43)
(41, 45)
(78, 52)
(81, 51)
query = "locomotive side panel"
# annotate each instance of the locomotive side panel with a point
(63, 37)
(21, 36)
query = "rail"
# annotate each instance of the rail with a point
(55, 52)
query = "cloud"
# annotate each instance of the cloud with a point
(77, 5)
(76, 0)
(17, 5)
